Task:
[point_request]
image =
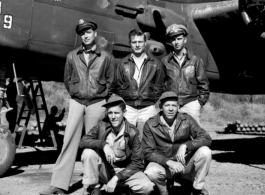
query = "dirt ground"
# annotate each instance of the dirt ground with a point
(237, 168)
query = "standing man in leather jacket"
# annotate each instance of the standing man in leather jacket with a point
(139, 81)
(112, 155)
(185, 73)
(88, 76)
(176, 148)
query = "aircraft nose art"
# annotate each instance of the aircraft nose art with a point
(15, 21)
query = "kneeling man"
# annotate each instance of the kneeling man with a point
(113, 153)
(176, 148)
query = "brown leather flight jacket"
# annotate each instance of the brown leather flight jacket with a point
(89, 83)
(96, 140)
(157, 144)
(189, 81)
(151, 86)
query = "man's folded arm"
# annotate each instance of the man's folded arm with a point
(149, 148)
(91, 140)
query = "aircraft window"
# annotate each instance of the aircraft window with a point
(8, 21)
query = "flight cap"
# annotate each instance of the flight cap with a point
(176, 29)
(114, 100)
(85, 24)
(167, 95)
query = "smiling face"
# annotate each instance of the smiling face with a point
(169, 108)
(138, 44)
(88, 36)
(178, 42)
(115, 115)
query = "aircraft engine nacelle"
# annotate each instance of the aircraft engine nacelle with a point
(153, 16)
(155, 20)
(156, 49)
(253, 14)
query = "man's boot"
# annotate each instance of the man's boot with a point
(53, 190)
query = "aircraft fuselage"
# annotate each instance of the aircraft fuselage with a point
(36, 35)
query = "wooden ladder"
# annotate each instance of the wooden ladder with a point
(36, 92)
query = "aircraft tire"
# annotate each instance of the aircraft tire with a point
(7, 150)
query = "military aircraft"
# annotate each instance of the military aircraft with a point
(36, 35)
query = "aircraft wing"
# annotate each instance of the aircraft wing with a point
(236, 45)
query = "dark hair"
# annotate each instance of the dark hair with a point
(135, 32)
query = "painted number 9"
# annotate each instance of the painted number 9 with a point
(8, 21)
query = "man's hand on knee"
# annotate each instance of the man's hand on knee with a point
(177, 167)
(111, 185)
(180, 156)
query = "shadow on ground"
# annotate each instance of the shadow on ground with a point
(244, 151)
(175, 190)
(239, 150)
(41, 153)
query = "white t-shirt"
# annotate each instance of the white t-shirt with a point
(139, 62)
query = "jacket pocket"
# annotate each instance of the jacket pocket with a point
(125, 85)
(193, 81)
(151, 87)
(74, 86)
(150, 92)
(102, 85)
(168, 85)
(126, 92)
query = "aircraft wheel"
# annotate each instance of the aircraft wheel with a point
(7, 150)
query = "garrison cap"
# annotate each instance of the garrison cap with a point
(113, 100)
(176, 29)
(167, 95)
(85, 24)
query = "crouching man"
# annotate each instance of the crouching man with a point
(113, 154)
(176, 148)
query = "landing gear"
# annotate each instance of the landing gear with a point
(7, 150)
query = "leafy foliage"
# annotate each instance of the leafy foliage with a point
(220, 109)
(224, 108)
(56, 95)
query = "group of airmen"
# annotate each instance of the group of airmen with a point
(141, 118)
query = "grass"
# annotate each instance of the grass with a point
(224, 108)
(220, 109)
(56, 95)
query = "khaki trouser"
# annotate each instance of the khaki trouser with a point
(193, 109)
(97, 169)
(196, 171)
(78, 114)
(138, 117)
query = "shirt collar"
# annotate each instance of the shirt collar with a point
(187, 53)
(182, 54)
(129, 58)
(165, 123)
(143, 56)
(121, 132)
(95, 49)
(157, 120)
(108, 126)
